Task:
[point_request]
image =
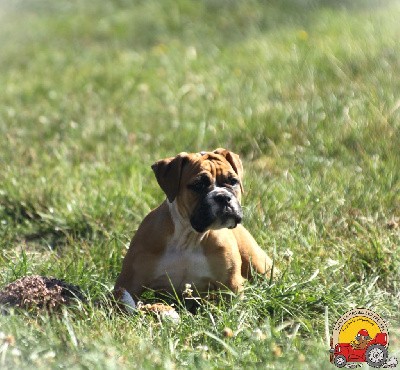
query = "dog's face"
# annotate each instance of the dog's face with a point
(206, 187)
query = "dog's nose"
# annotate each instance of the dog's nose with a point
(223, 198)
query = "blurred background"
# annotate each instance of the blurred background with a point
(197, 74)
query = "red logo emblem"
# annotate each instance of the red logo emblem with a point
(361, 335)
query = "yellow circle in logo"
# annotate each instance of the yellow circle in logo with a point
(356, 320)
(351, 328)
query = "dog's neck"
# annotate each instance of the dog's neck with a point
(184, 235)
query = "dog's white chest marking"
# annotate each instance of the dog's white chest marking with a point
(184, 261)
(179, 267)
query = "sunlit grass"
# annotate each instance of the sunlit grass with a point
(305, 91)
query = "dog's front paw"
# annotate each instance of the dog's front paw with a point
(125, 300)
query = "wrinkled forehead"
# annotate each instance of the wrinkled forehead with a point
(212, 163)
(216, 167)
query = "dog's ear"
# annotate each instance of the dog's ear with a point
(234, 161)
(168, 174)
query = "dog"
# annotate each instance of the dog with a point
(195, 236)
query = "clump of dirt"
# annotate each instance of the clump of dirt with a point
(38, 292)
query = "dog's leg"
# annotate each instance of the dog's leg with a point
(253, 257)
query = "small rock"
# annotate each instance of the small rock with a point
(393, 224)
(227, 332)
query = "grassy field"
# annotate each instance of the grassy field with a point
(307, 92)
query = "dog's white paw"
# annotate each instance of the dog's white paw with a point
(128, 301)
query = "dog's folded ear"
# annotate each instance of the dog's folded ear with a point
(168, 174)
(234, 161)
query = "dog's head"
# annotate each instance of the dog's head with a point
(206, 187)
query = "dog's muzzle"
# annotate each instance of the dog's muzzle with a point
(216, 210)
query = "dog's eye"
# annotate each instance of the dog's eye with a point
(232, 181)
(200, 184)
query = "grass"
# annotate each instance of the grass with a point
(94, 93)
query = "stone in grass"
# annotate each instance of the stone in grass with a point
(38, 293)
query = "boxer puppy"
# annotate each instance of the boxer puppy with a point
(195, 236)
